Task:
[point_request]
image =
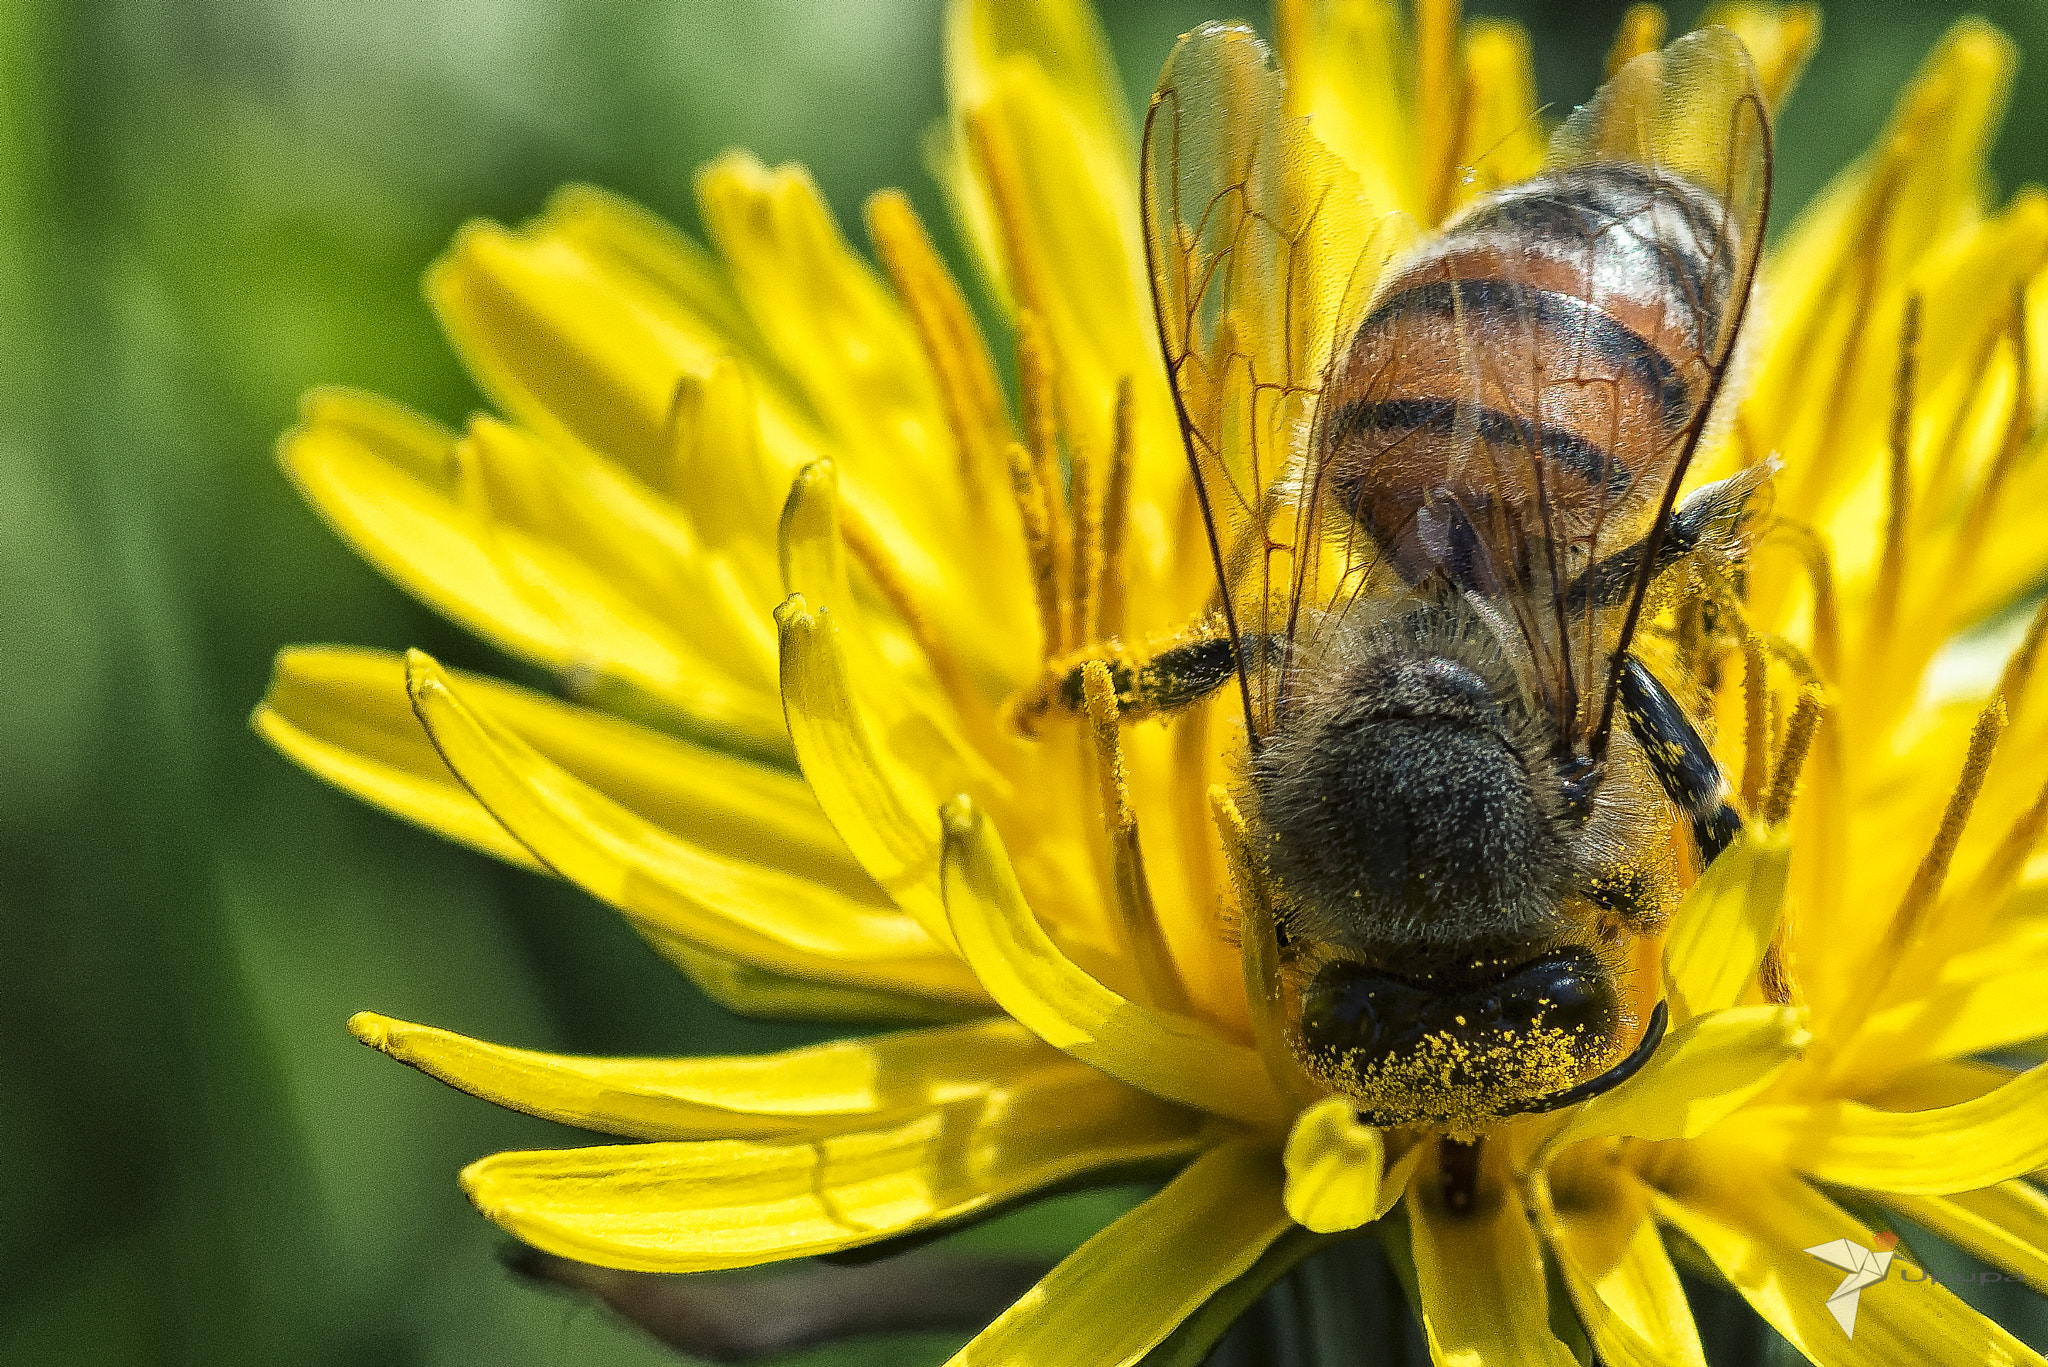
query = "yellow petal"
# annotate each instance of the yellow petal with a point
(1726, 922)
(2005, 1225)
(636, 542)
(1334, 1166)
(886, 813)
(394, 488)
(785, 923)
(1982, 1001)
(800, 1093)
(1833, 325)
(1350, 72)
(1755, 1219)
(1502, 134)
(560, 347)
(691, 1207)
(1020, 966)
(750, 990)
(1065, 41)
(833, 325)
(1617, 1272)
(345, 714)
(907, 710)
(1920, 1153)
(1122, 1292)
(1708, 1068)
(1479, 1277)
(1933, 1085)
(636, 246)
(1779, 37)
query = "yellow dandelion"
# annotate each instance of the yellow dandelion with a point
(863, 658)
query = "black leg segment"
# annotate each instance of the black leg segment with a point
(1679, 758)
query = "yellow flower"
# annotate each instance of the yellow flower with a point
(768, 514)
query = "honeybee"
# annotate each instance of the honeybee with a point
(1439, 497)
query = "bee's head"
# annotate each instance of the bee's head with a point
(1459, 1054)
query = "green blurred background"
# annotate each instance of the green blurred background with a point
(207, 206)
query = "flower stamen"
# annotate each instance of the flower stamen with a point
(1898, 500)
(2019, 669)
(1807, 714)
(1440, 104)
(953, 342)
(1909, 923)
(947, 668)
(1037, 545)
(2018, 431)
(1102, 492)
(1858, 275)
(1755, 719)
(1137, 917)
(1813, 555)
(1259, 948)
(1037, 385)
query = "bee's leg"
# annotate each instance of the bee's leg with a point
(1178, 675)
(1710, 520)
(1679, 758)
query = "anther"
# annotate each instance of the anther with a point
(1259, 948)
(1799, 733)
(864, 546)
(953, 341)
(1137, 916)
(1755, 721)
(1898, 498)
(1037, 383)
(1037, 545)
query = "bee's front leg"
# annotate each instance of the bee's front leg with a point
(1162, 678)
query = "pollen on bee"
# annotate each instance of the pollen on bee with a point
(1458, 1087)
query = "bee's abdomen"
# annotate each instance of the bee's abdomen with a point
(1557, 333)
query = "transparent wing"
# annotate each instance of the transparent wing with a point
(1512, 419)
(1254, 234)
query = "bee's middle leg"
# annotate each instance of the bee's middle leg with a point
(1679, 759)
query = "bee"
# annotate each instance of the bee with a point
(1441, 498)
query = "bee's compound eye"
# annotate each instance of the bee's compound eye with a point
(1565, 990)
(1355, 1018)
(1351, 1012)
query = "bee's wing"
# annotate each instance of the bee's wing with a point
(1694, 112)
(1522, 401)
(1253, 236)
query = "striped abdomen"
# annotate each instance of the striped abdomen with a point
(1516, 401)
